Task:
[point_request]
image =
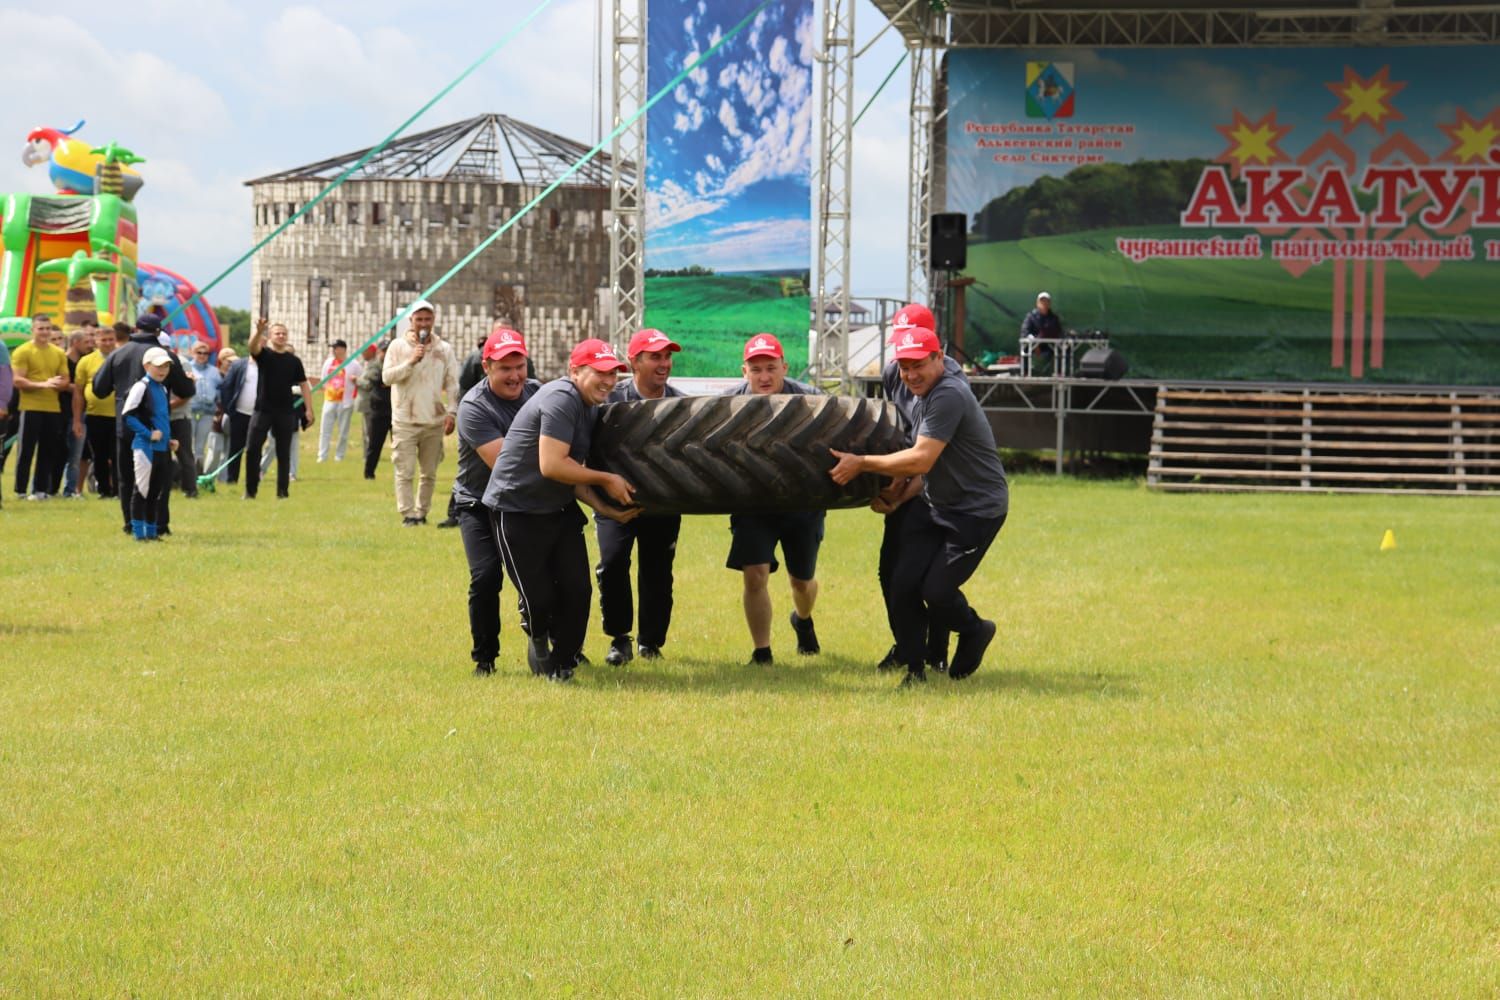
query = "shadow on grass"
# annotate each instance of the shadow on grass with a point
(839, 676)
(35, 628)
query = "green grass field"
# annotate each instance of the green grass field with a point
(1234, 319)
(1224, 747)
(713, 316)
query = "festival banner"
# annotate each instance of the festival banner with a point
(728, 195)
(1278, 214)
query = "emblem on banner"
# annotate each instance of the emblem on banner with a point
(1049, 90)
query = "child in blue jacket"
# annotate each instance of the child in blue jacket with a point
(146, 413)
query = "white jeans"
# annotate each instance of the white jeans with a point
(332, 415)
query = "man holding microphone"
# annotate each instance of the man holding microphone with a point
(422, 371)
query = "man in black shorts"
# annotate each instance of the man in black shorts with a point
(799, 533)
(484, 417)
(965, 500)
(537, 479)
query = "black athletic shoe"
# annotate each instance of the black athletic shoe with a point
(163, 532)
(484, 668)
(890, 662)
(941, 666)
(972, 642)
(761, 658)
(538, 656)
(646, 652)
(126, 529)
(561, 675)
(451, 522)
(422, 519)
(620, 652)
(807, 636)
(914, 678)
(409, 522)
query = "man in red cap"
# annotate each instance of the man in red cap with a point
(484, 417)
(966, 500)
(539, 474)
(896, 500)
(654, 537)
(799, 533)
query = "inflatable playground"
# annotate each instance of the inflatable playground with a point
(74, 253)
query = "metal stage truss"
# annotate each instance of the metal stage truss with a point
(627, 190)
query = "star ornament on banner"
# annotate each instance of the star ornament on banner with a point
(1365, 101)
(1252, 143)
(1473, 139)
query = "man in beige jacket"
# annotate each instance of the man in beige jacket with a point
(422, 371)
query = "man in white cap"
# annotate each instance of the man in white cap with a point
(1042, 324)
(422, 371)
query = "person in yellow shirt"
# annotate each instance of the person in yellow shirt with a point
(41, 371)
(94, 418)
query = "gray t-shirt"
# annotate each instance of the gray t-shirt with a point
(790, 387)
(967, 477)
(482, 417)
(516, 483)
(906, 400)
(626, 392)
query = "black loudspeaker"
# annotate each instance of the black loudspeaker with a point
(949, 242)
(1103, 362)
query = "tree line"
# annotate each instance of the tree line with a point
(1097, 196)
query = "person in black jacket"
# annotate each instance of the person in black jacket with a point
(121, 370)
(377, 397)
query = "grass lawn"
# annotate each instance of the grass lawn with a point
(1224, 747)
(713, 316)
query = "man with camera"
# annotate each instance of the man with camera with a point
(422, 371)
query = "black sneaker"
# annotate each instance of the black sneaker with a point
(807, 636)
(619, 651)
(409, 522)
(422, 519)
(646, 652)
(914, 678)
(562, 675)
(761, 658)
(538, 656)
(941, 666)
(451, 522)
(484, 668)
(972, 642)
(890, 662)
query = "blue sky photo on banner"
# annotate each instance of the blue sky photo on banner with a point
(1299, 214)
(728, 195)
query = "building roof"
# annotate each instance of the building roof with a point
(483, 148)
(1171, 23)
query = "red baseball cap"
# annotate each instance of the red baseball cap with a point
(912, 317)
(650, 340)
(502, 342)
(763, 345)
(917, 343)
(597, 355)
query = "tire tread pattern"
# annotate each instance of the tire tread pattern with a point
(744, 454)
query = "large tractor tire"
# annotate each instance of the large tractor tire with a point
(744, 454)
